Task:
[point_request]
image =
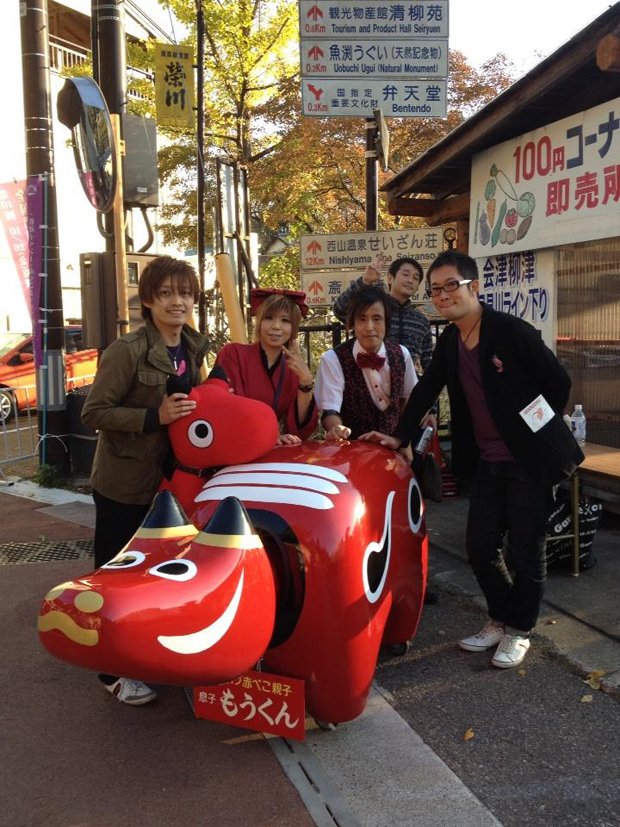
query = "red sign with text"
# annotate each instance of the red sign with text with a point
(258, 701)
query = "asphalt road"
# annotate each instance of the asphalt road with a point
(539, 754)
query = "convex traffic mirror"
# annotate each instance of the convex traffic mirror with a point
(82, 108)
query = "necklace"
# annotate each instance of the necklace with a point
(471, 330)
(173, 353)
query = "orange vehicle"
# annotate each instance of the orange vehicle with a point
(17, 371)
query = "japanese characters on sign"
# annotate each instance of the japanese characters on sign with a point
(369, 18)
(258, 701)
(353, 98)
(557, 185)
(403, 59)
(360, 56)
(174, 85)
(330, 263)
(13, 218)
(520, 284)
(322, 288)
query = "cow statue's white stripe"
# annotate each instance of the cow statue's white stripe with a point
(206, 638)
(287, 467)
(292, 480)
(258, 494)
(374, 547)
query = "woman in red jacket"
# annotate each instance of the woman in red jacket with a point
(272, 369)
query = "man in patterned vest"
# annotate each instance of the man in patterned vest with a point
(366, 380)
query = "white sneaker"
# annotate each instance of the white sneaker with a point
(487, 637)
(511, 651)
(131, 692)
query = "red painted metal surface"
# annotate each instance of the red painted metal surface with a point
(310, 557)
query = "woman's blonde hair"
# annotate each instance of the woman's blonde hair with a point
(277, 304)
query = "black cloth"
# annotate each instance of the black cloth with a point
(516, 367)
(115, 526)
(503, 497)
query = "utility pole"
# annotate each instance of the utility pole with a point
(372, 175)
(51, 388)
(200, 143)
(108, 49)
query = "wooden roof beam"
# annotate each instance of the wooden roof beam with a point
(522, 93)
(435, 212)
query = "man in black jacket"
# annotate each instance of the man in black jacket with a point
(507, 393)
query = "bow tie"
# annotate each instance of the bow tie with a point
(370, 360)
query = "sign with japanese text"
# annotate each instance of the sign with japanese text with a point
(174, 85)
(369, 18)
(258, 701)
(559, 184)
(355, 98)
(356, 57)
(13, 218)
(356, 250)
(400, 59)
(322, 288)
(521, 284)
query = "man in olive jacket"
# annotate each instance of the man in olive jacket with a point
(129, 407)
(507, 393)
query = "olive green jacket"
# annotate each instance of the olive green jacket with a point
(130, 380)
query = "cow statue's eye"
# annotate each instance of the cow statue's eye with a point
(200, 433)
(125, 560)
(175, 570)
(415, 506)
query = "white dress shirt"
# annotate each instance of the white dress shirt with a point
(329, 384)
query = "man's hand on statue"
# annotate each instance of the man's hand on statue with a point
(287, 439)
(381, 439)
(295, 362)
(374, 270)
(338, 433)
(175, 406)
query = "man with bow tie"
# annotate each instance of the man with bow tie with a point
(366, 380)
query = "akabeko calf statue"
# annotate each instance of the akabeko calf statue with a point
(309, 559)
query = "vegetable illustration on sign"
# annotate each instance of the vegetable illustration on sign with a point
(507, 228)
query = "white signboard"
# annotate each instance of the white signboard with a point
(400, 59)
(369, 18)
(323, 288)
(556, 185)
(356, 250)
(354, 98)
(521, 284)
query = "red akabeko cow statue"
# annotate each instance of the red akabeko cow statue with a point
(307, 559)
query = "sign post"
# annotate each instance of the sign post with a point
(359, 58)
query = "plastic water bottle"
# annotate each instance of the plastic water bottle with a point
(578, 424)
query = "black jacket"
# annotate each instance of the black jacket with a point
(516, 366)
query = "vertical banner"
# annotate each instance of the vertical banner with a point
(13, 217)
(174, 85)
(35, 192)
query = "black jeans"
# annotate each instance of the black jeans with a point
(503, 497)
(115, 525)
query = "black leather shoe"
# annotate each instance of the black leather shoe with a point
(430, 598)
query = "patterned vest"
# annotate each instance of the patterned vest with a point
(358, 411)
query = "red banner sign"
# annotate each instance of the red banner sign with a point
(257, 701)
(13, 218)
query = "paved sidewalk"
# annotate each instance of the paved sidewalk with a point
(580, 620)
(73, 753)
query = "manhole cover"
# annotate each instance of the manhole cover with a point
(45, 551)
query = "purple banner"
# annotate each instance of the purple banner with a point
(35, 193)
(13, 217)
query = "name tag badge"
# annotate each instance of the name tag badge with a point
(537, 413)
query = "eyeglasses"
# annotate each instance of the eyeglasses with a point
(449, 287)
